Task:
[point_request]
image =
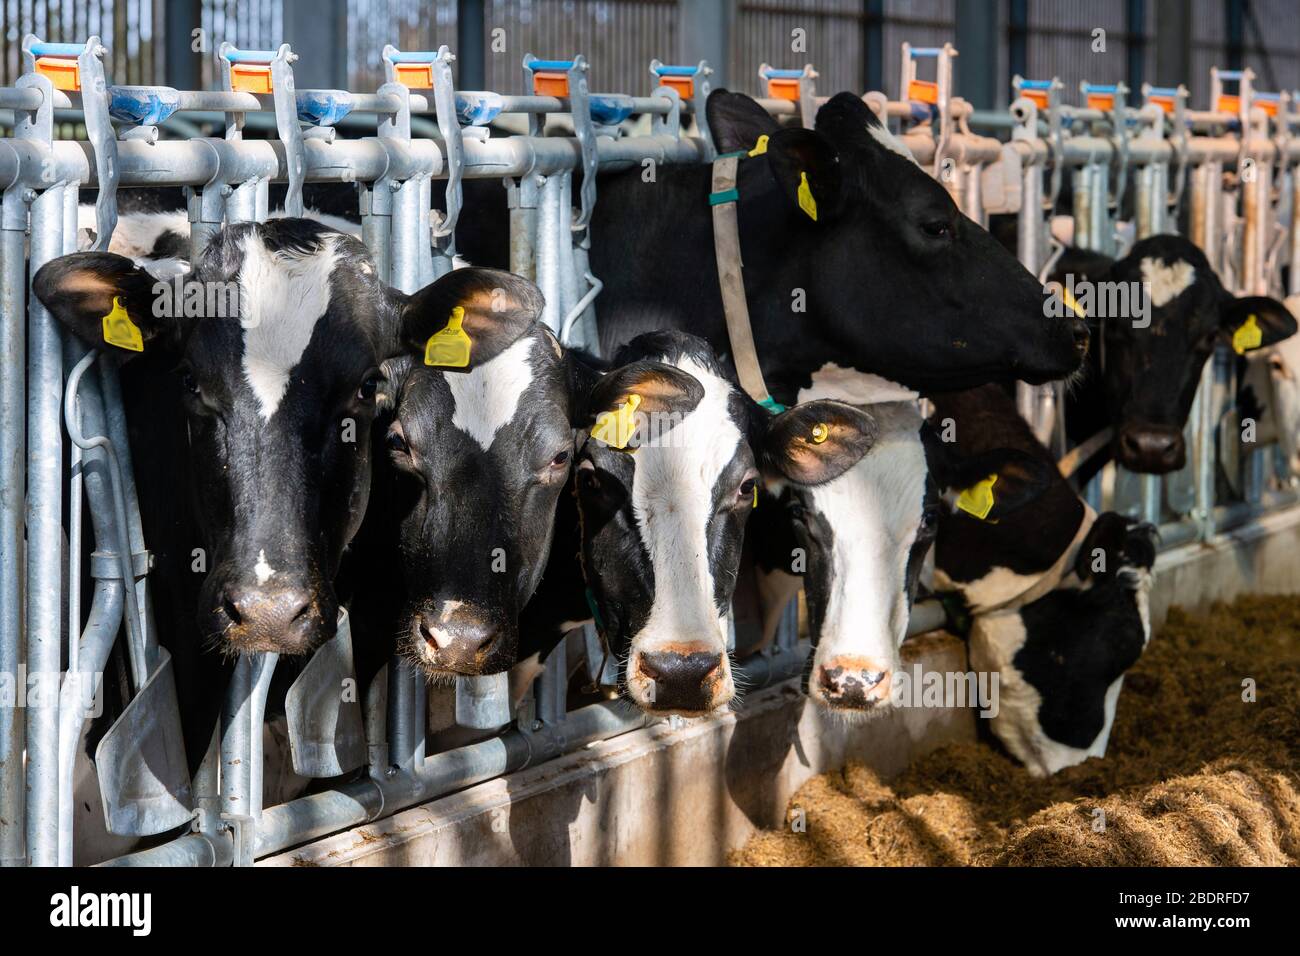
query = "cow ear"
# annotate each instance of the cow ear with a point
(468, 317)
(807, 166)
(108, 300)
(736, 121)
(637, 394)
(816, 442)
(994, 484)
(1255, 321)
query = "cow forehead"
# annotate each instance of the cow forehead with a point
(513, 404)
(283, 294)
(486, 398)
(1166, 281)
(688, 460)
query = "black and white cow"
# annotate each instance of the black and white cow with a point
(1143, 369)
(250, 417)
(1027, 541)
(889, 281)
(469, 478)
(858, 543)
(1061, 658)
(664, 513)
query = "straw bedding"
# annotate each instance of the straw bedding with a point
(1195, 775)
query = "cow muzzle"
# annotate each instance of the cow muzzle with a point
(1151, 449)
(458, 638)
(688, 679)
(851, 683)
(284, 618)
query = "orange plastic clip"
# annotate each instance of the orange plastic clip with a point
(550, 84)
(1037, 97)
(923, 91)
(415, 76)
(1166, 103)
(1101, 101)
(684, 85)
(63, 72)
(250, 77)
(782, 89)
(1229, 104)
(1268, 106)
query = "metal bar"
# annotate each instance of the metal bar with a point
(13, 426)
(44, 539)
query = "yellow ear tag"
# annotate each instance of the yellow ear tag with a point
(449, 347)
(977, 500)
(119, 330)
(806, 201)
(1070, 302)
(821, 431)
(615, 428)
(755, 504)
(1248, 337)
(760, 147)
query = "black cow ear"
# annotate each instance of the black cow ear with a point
(816, 442)
(807, 166)
(994, 484)
(845, 115)
(640, 401)
(468, 317)
(108, 300)
(736, 121)
(1255, 321)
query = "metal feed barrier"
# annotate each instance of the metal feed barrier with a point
(52, 382)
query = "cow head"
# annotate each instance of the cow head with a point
(277, 335)
(477, 457)
(664, 507)
(898, 283)
(858, 543)
(1060, 658)
(1157, 315)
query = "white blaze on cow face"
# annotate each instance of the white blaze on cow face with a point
(487, 397)
(282, 295)
(1166, 281)
(262, 569)
(673, 493)
(857, 592)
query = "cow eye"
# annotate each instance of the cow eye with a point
(937, 229)
(746, 490)
(369, 387)
(189, 383)
(396, 442)
(560, 460)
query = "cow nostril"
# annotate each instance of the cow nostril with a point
(231, 610)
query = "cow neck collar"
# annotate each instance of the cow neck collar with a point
(1050, 579)
(726, 250)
